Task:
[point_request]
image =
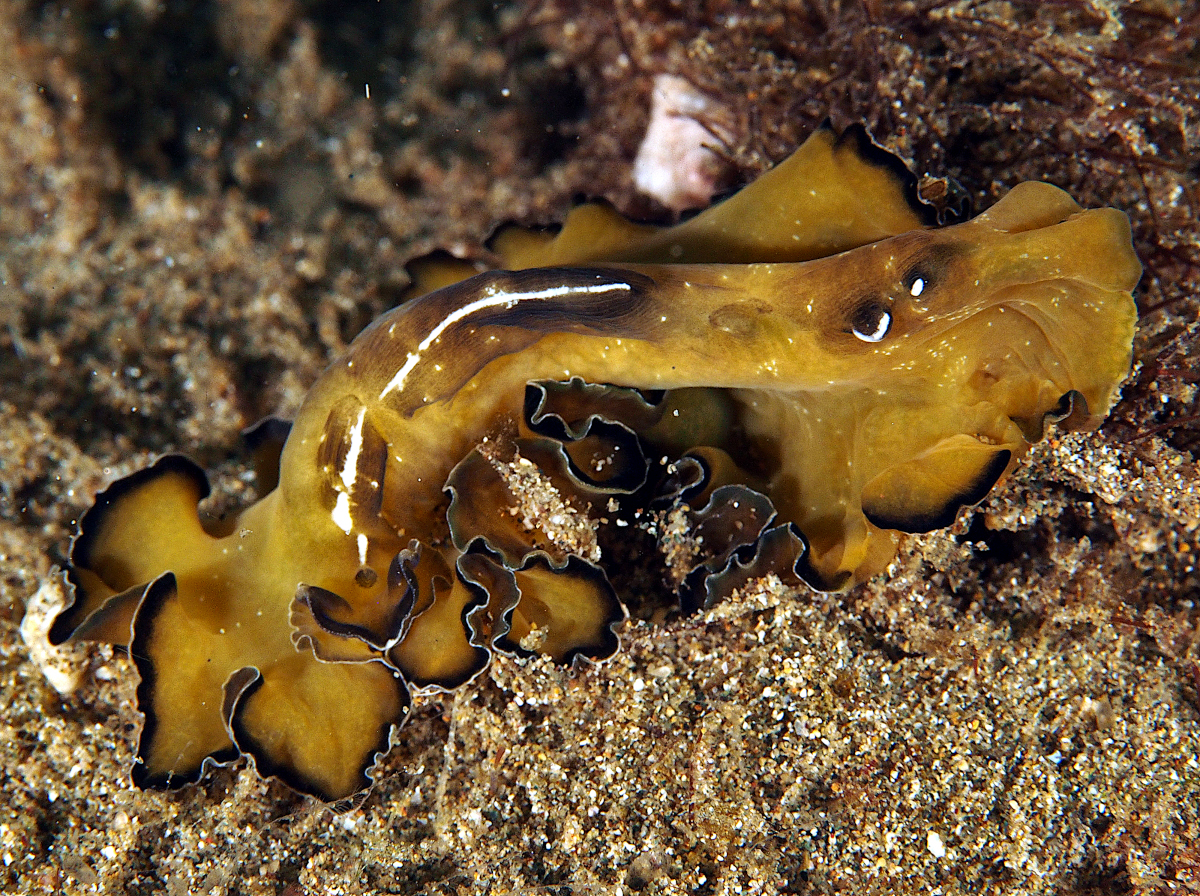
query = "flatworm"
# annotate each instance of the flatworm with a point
(796, 375)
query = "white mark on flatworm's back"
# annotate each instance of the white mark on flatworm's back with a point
(492, 298)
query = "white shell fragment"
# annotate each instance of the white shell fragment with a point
(676, 163)
(63, 666)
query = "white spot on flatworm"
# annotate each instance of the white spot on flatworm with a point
(918, 287)
(885, 323)
(341, 513)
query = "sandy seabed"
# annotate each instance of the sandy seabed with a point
(204, 202)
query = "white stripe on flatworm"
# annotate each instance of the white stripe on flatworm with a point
(491, 299)
(349, 472)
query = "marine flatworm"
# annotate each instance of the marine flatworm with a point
(820, 366)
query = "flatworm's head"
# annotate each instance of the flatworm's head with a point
(927, 363)
(781, 384)
(1034, 298)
